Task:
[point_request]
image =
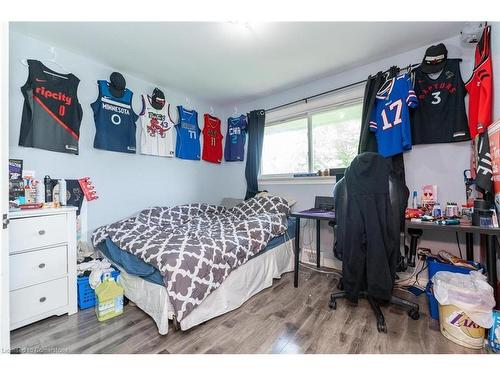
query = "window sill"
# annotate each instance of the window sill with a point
(314, 180)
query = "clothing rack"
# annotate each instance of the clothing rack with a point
(305, 100)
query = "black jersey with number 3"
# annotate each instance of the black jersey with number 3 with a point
(440, 116)
(51, 113)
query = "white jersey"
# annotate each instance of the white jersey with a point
(156, 129)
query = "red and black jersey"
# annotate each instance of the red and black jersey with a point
(440, 116)
(480, 87)
(212, 139)
(51, 113)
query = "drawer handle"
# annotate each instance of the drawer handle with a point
(41, 232)
(41, 265)
(43, 299)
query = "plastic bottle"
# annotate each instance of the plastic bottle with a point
(414, 200)
(48, 189)
(62, 192)
(436, 210)
(109, 297)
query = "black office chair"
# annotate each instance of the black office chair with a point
(369, 207)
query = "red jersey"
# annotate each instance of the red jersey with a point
(212, 139)
(480, 87)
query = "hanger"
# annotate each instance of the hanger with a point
(212, 112)
(235, 113)
(188, 103)
(52, 60)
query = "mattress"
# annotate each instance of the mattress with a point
(137, 267)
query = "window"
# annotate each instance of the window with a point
(317, 140)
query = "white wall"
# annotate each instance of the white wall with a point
(125, 183)
(441, 165)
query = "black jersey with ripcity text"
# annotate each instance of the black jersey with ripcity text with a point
(440, 116)
(51, 113)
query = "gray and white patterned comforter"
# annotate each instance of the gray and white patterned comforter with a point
(196, 246)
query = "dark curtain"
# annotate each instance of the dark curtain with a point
(367, 140)
(255, 130)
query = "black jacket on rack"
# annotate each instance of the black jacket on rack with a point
(368, 209)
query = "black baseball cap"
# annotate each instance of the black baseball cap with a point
(117, 84)
(434, 59)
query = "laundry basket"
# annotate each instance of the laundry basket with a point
(86, 295)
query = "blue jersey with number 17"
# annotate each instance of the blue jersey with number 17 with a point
(390, 118)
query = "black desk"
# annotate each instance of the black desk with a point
(313, 214)
(490, 234)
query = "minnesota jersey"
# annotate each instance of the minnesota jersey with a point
(236, 137)
(187, 144)
(51, 112)
(480, 87)
(390, 118)
(440, 116)
(212, 139)
(114, 120)
(156, 129)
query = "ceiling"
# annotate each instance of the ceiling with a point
(228, 62)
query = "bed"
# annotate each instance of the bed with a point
(253, 246)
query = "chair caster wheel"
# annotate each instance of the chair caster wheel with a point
(381, 326)
(332, 304)
(340, 285)
(414, 314)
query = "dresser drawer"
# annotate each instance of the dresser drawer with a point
(38, 299)
(38, 266)
(34, 232)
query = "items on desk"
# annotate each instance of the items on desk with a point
(482, 214)
(451, 210)
(429, 195)
(414, 203)
(413, 213)
(448, 222)
(436, 210)
(469, 181)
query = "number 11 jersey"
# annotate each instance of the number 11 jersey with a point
(390, 118)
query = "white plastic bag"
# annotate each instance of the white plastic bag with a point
(471, 293)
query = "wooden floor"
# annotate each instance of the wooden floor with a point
(280, 319)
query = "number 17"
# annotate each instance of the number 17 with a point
(398, 104)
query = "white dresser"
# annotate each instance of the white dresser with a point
(42, 260)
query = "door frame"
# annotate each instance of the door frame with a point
(4, 188)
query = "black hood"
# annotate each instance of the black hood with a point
(370, 168)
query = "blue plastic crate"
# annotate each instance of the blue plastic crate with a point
(86, 295)
(434, 266)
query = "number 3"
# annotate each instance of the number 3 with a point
(437, 98)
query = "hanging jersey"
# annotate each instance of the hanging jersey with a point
(51, 112)
(484, 172)
(480, 87)
(156, 129)
(235, 139)
(390, 119)
(114, 120)
(187, 145)
(212, 139)
(440, 116)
